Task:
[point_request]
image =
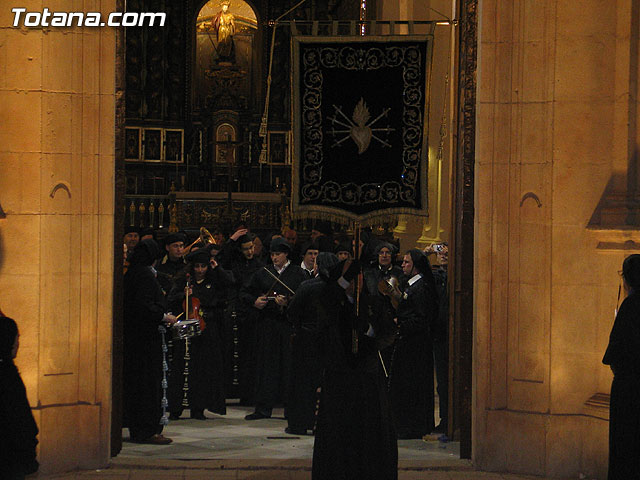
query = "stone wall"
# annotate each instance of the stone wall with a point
(56, 242)
(552, 133)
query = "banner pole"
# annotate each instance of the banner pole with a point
(356, 291)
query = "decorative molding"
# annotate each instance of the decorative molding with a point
(627, 246)
(121, 109)
(597, 406)
(60, 185)
(533, 196)
(463, 228)
(599, 400)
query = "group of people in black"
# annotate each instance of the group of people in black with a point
(346, 349)
(345, 343)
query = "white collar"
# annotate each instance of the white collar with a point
(280, 270)
(415, 278)
(304, 267)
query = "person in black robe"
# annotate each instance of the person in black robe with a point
(382, 269)
(411, 374)
(344, 250)
(306, 367)
(322, 236)
(238, 257)
(291, 236)
(173, 262)
(144, 311)
(19, 430)
(308, 263)
(202, 387)
(623, 355)
(440, 333)
(269, 292)
(355, 436)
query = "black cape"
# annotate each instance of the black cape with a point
(355, 436)
(144, 308)
(411, 383)
(18, 438)
(240, 331)
(306, 367)
(623, 355)
(440, 332)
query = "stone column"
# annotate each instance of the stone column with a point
(548, 82)
(56, 243)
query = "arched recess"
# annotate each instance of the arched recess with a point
(212, 65)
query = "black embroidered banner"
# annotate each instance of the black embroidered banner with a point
(359, 108)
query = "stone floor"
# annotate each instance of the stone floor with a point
(230, 436)
(229, 447)
(197, 473)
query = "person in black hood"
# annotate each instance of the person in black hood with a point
(411, 367)
(19, 430)
(355, 436)
(322, 235)
(144, 311)
(623, 355)
(378, 276)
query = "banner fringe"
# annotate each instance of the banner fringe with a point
(372, 219)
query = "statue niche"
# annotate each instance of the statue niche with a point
(225, 36)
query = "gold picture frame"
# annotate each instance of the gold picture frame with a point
(132, 144)
(152, 145)
(173, 145)
(278, 147)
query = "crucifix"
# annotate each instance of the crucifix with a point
(226, 153)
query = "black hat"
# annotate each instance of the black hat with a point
(145, 252)
(382, 245)
(147, 231)
(343, 247)
(309, 246)
(323, 226)
(246, 238)
(279, 244)
(201, 255)
(175, 237)
(131, 229)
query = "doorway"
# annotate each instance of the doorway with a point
(462, 240)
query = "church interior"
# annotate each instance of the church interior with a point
(531, 173)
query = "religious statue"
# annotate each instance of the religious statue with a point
(225, 27)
